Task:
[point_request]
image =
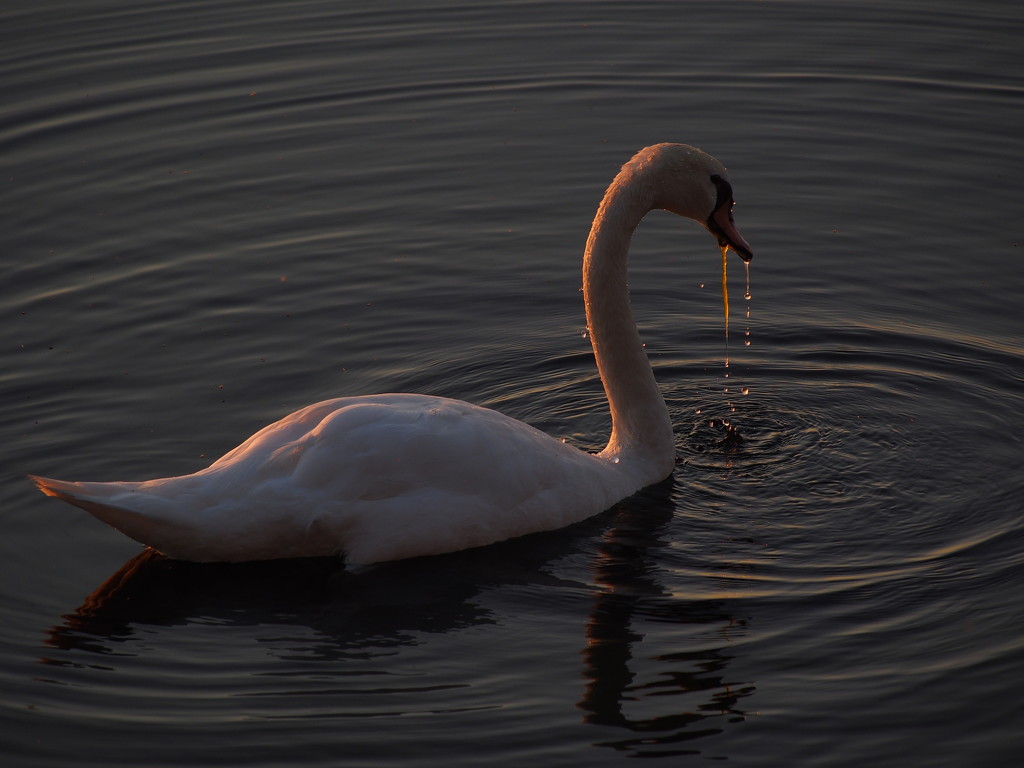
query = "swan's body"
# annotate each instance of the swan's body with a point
(386, 477)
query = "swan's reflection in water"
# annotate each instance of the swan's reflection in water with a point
(654, 663)
(382, 608)
(678, 695)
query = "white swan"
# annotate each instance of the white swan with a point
(385, 477)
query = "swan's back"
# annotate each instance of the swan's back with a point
(374, 478)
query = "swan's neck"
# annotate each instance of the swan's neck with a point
(641, 428)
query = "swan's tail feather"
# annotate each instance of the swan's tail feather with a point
(59, 489)
(105, 501)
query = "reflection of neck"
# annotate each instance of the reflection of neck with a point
(624, 576)
(659, 700)
(641, 428)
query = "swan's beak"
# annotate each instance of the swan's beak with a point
(721, 225)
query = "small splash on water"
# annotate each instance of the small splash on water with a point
(721, 434)
(732, 440)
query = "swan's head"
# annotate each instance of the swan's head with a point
(691, 183)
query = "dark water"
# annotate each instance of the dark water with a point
(216, 213)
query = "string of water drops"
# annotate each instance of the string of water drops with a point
(725, 303)
(732, 436)
(747, 297)
(746, 331)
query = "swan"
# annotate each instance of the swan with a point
(393, 476)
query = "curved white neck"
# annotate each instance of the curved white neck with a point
(641, 429)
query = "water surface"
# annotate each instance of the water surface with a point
(217, 213)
